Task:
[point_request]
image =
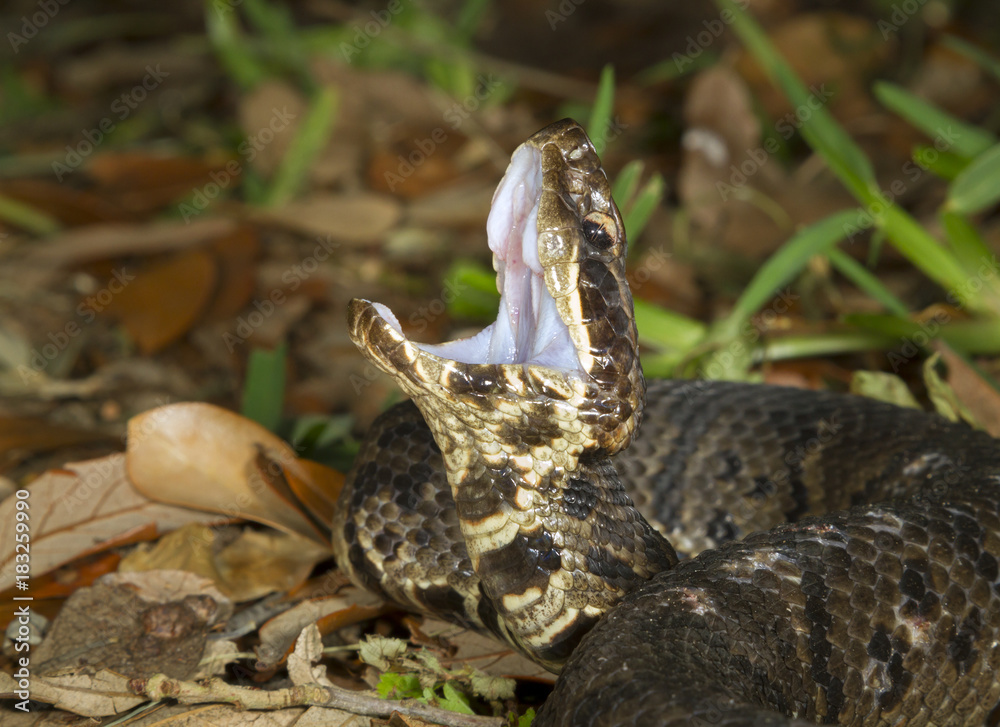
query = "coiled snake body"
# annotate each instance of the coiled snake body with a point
(868, 594)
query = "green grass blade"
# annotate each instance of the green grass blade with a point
(821, 131)
(978, 185)
(627, 182)
(665, 329)
(231, 48)
(600, 115)
(782, 267)
(974, 53)
(639, 211)
(866, 281)
(26, 217)
(309, 141)
(264, 388)
(949, 131)
(945, 164)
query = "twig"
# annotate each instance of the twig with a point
(160, 686)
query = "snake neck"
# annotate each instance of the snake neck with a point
(551, 533)
(527, 412)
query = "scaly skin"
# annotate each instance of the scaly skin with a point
(885, 613)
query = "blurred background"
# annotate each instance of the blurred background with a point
(191, 192)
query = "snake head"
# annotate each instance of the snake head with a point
(562, 351)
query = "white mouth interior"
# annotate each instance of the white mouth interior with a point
(528, 328)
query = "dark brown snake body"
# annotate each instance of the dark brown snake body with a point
(838, 556)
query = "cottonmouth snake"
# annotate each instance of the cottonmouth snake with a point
(868, 594)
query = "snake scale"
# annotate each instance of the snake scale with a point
(834, 559)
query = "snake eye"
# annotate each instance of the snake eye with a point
(600, 230)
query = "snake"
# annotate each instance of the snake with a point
(679, 552)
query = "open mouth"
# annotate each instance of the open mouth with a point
(528, 329)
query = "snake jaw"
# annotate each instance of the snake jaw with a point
(530, 407)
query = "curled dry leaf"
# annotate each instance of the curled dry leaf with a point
(278, 635)
(303, 662)
(83, 509)
(205, 457)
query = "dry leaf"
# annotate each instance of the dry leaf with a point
(99, 242)
(137, 624)
(484, 653)
(90, 692)
(970, 388)
(79, 510)
(251, 566)
(303, 662)
(279, 633)
(166, 299)
(142, 183)
(258, 563)
(270, 114)
(204, 457)
(352, 219)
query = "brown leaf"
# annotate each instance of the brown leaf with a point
(73, 207)
(99, 242)
(138, 624)
(278, 635)
(166, 299)
(353, 219)
(21, 437)
(203, 456)
(485, 653)
(143, 183)
(319, 492)
(970, 388)
(82, 509)
(237, 256)
(88, 691)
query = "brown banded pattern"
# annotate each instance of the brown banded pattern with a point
(877, 603)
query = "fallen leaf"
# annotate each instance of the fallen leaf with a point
(71, 206)
(354, 219)
(278, 635)
(981, 399)
(142, 183)
(166, 299)
(262, 562)
(88, 691)
(21, 437)
(204, 457)
(82, 509)
(303, 662)
(137, 624)
(99, 242)
(270, 115)
(237, 264)
(484, 653)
